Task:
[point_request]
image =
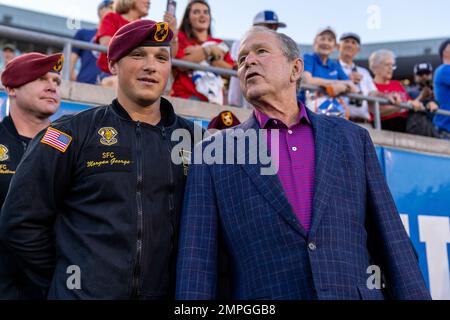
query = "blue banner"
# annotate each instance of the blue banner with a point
(420, 185)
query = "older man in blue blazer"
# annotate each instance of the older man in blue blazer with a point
(324, 226)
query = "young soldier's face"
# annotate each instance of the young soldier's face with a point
(40, 97)
(143, 74)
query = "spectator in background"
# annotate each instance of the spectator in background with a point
(423, 82)
(442, 90)
(393, 118)
(268, 19)
(197, 45)
(321, 70)
(125, 11)
(349, 48)
(32, 83)
(89, 71)
(8, 53)
(422, 90)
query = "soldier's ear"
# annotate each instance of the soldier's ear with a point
(11, 92)
(113, 67)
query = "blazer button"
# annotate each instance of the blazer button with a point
(312, 246)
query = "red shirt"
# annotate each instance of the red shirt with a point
(395, 86)
(183, 86)
(107, 28)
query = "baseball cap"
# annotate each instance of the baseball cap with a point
(424, 67)
(105, 4)
(350, 35)
(268, 17)
(327, 29)
(9, 46)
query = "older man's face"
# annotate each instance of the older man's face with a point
(263, 69)
(349, 47)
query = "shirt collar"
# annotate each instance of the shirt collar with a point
(11, 127)
(265, 123)
(319, 60)
(346, 65)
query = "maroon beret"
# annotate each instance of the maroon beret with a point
(225, 120)
(138, 33)
(29, 67)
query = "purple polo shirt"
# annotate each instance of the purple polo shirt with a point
(296, 161)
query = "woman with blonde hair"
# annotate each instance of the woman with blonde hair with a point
(125, 11)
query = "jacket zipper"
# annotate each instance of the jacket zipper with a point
(171, 205)
(139, 184)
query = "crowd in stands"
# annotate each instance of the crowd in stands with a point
(194, 42)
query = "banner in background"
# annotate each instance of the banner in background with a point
(420, 185)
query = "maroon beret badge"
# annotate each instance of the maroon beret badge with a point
(58, 66)
(227, 118)
(162, 31)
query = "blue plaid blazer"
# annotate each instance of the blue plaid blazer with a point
(355, 225)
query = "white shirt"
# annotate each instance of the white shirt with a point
(366, 86)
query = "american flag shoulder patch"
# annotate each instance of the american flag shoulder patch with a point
(56, 139)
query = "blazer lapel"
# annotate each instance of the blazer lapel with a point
(269, 185)
(326, 145)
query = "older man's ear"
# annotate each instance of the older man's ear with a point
(297, 70)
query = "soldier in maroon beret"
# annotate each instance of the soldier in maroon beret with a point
(102, 220)
(32, 82)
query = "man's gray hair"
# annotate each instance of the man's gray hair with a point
(289, 47)
(378, 57)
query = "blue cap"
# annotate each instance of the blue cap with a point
(104, 4)
(268, 17)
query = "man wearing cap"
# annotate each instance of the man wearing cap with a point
(8, 53)
(442, 90)
(321, 70)
(422, 89)
(421, 122)
(103, 222)
(349, 48)
(268, 19)
(32, 82)
(89, 70)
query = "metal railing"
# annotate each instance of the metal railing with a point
(68, 44)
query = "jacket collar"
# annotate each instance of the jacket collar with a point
(11, 128)
(168, 116)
